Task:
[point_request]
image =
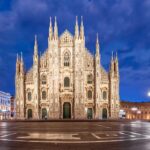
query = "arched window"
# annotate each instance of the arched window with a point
(66, 59)
(104, 95)
(89, 94)
(43, 79)
(43, 95)
(29, 96)
(89, 79)
(66, 82)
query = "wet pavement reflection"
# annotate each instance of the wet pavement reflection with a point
(111, 135)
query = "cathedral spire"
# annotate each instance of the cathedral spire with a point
(21, 64)
(97, 46)
(17, 58)
(116, 65)
(76, 29)
(82, 29)
(116, 57)
(35, 46)
(21, 58)
(50, 29)
(112, 56)
(17, 65)
(112, 64)
(55, 29)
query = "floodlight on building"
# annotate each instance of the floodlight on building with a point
(134, 109)
(121, 110)
(138, 112)
(85, 109)
(3, 110)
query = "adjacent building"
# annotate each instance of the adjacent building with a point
(12, 107)
(135, 110)
(67, 81)
(4, 105)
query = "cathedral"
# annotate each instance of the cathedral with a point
(67, 81)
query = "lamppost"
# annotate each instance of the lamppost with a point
(148, 93)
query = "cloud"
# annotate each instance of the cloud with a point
(123, 26)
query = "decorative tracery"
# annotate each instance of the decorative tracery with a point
(66, 59)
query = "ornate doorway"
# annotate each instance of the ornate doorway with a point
(67, 110)
(89, 113)
(44, 113)
(29, 113)
(104, 113)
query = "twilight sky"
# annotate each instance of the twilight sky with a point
(123, 26)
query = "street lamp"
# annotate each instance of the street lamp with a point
(148, 94)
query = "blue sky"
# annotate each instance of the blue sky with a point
(123, 26)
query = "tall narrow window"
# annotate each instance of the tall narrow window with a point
(104, 95)
(43, 95)
(89, 94)
(66, 82)
(43, 79)
(66, 59)
(29, 96)
(89, 79)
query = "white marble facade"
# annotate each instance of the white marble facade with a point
(67, 81)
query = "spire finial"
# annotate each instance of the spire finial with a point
(35, 45)
(17, 57)
(21, 57)
(35, 38)
(97, 45)
(55, 29)
(76, 28)
(50, 29)
(82, 20)
(82, 29)
(97, 39)
(112, 56)
(116, 57)
(50, 19)
(55, 21)
(76, 20)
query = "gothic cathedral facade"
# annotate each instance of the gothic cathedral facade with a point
(67, 81)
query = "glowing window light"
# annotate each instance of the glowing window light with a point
(138, 112)
(134, 109)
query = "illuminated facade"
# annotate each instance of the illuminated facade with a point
(12, 107)
(67, 81)
(4, 105)
(138, 110)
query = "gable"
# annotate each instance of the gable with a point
(66, 38)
